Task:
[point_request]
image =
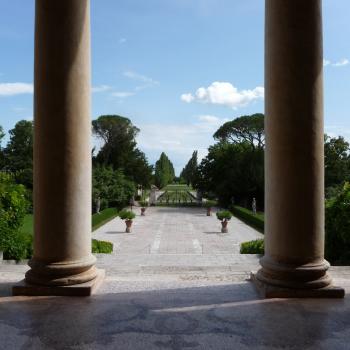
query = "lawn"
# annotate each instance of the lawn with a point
(97, 220)
(177, 187)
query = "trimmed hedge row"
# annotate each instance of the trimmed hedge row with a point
(253, 247)
(101, 247)
(103, 217)
(247, 216)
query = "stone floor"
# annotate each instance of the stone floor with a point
(177, 294)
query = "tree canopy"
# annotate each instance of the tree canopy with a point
(164, 171)
(119, 150)
(18, 153)
(189, 172)
(337, 163)
(247, 128)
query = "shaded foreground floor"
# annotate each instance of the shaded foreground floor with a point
(174, 296)
(173, 315)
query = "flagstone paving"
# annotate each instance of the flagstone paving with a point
(174, 283)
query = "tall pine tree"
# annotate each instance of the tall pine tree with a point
(164, 171)
(189, 172)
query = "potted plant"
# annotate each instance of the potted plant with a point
(224, 216)
(128, 216)
(144, 205)
(209, 205)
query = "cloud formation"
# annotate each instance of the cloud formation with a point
(147, 81)
(341, 63)
(101, 88)
(122, 94)
(224, 93)
(11, 89)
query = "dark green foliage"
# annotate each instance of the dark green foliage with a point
(253, 247)
(97, 220)
(127, 215)
(101, 247)
(112, 187)
(19, 153)
(232, 172)
(337, 164)
(164, 171)
(13, 207)
(189, 173)
(246, 129)
(119, 149)
(224, 215)
(19, 246)
(338, 227)
(210, 204)
(247, 216)
(2, 156)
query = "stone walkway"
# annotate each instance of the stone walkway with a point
(170, 240)
(174, 283)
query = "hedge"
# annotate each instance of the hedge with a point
(253, 247)
(101, 247)
(247, 216)
(103, 217)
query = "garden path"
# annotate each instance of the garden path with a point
(177, 240)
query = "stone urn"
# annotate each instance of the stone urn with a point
(224, 228)
(143, 211)
(128, 226)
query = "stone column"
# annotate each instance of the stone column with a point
(294, 263)
(62, 151)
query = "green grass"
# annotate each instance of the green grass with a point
(101, 247)
(177, 187)
(103, 217)
(253, 247)
(27, 226)
(97, 220)
(247, 216)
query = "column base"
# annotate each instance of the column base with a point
(81, 289)
(271, 291)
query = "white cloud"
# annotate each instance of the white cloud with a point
(341, 63)
(122, 40)
(187, 98)
(224, 93)
(11, 89)
(147, 81)
(101, 88)
(122, 94)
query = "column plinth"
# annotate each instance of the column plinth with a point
(62, 152)
(294, 264)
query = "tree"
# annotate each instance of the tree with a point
(247, 128)
(119, 148)
(337, 162)
(19, 153)
(111, 187)
(337, 247)
(118, 135)
(2, 157)
(232, 171)
(164, 171)
(13, 207)
(189, 172)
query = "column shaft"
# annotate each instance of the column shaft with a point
(294, 162)
(62, 151)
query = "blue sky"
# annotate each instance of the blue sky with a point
(177, 68)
